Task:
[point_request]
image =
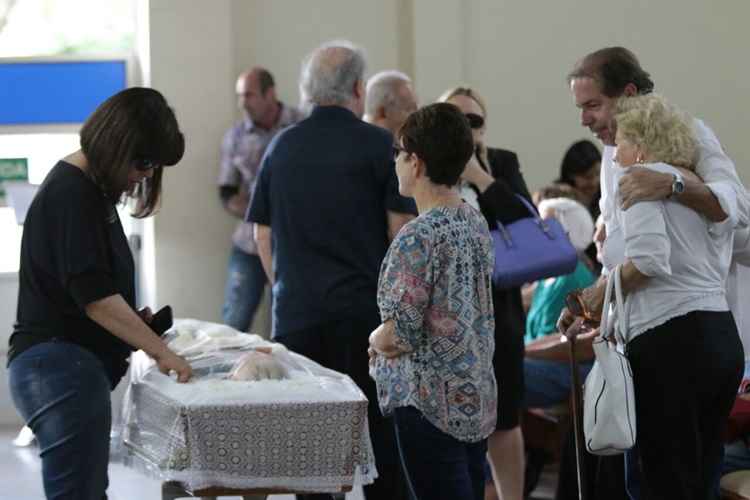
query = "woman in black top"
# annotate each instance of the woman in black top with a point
(492, 179)
(76, 319)
(580, 169)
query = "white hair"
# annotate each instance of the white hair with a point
(330, 72)
(574, 218)
(382, 90)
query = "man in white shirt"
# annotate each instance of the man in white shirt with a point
(597, 82)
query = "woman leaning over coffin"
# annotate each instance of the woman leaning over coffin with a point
(76, 322)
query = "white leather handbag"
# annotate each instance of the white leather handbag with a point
(608, 397)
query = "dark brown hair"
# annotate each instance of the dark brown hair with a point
(439, 134)
(578, 160)
(133, 126)
(613, 68)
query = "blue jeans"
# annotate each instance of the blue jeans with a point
(437, 465)
(63, 394)
(246, 281)
(548, 382)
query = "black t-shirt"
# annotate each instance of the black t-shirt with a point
(499, 203)
(73, 252)
(324, 187)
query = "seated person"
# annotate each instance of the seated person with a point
(580, 170)
(546, 368)
(555, 190)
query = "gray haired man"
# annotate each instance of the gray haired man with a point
(390, 100)
(327, 195)
(241, 151)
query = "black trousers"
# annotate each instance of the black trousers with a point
(685, 373)
(341, 345)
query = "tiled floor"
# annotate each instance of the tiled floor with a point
(21, 479)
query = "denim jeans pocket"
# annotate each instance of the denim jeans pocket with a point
(49, 373)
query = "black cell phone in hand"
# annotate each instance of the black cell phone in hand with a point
(162, 320)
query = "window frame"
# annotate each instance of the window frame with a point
(133, 77)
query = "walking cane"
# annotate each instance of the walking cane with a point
(576, 405)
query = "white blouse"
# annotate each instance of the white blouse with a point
(671, 243)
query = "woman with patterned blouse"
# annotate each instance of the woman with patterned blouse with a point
(432, 356)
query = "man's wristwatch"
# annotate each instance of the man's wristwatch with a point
(678, 185)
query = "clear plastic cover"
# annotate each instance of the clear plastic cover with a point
(254, 415)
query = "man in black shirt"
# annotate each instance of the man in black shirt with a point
(327, 196)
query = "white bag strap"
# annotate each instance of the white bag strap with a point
(607, 323)
(622, 325)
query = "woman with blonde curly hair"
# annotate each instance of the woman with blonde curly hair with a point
(660, 132)
(673, 270)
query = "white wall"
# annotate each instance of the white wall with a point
(191, 50)
(8, 301)
(195, 56)
(278, 34)
(517, 54)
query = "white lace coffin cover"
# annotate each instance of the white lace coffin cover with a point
(306, 432)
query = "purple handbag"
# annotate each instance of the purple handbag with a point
(531, 249)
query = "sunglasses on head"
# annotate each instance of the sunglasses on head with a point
(143, 165)
(475, 121)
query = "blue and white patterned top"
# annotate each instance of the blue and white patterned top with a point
(435, 285)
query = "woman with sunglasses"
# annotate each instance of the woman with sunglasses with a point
(431, 358)
(76, 321)
(490, 182)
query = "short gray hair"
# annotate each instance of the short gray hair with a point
(382, 88)
(330, 72)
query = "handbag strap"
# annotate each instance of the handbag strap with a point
(614, 320)
(534, 215)
(607, 323)
(623, 320)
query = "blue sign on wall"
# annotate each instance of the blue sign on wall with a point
(33, 93)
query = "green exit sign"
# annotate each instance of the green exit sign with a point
(13, 169)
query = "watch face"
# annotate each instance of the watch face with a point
(678, 186)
